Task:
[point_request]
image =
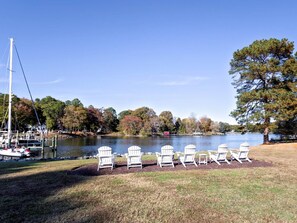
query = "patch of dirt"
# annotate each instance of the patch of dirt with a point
(151, 166)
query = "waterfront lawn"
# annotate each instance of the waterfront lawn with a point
(43, 192)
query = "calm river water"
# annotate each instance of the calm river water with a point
(88, 146)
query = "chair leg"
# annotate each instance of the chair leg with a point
(217, 162)
(238, 160)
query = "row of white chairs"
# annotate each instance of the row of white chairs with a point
(220, 155)
(165, 158)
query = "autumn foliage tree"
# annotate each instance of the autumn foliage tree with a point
(94, 119)
(24, 114)
(75, 117)
(130, 125)
(188, 125)
(205, 124)
(264, 74)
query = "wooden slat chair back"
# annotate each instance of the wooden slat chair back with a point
(244, 150)
(241, 154)
(222, 152)
(134, 157)
(165, 158)
(189, 155)
(105, 157)
(220, 155)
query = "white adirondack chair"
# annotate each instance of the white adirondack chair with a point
(242, 153)
(220, 155)
(165, 158)
(188, 155)
(134, 156)
(105, 157)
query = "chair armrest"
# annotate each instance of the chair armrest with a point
(107, 156)
(167, 154)
(134, 155)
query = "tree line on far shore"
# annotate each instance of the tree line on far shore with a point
(72, 116)
(264, 75)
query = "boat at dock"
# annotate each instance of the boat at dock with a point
(14, 144)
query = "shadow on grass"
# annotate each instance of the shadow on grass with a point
(16, 166)
(41, 197)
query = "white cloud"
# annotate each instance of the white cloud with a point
(183, 82)
(57, 81)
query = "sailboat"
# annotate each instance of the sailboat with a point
(10, 151)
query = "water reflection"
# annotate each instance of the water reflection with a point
(88, 146)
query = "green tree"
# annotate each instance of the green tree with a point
(224, 127)
(4, 109)
(144, 113)
(68, 102)
(166, 121)
(110, 120)
(236, 128)
(178, 125)
(77, 103)
(183, 126)
(53, 111)
(39, 111)
(264, 74)
(287, 128)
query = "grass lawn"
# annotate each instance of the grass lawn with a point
(43, 192)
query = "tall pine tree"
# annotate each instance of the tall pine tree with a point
(265, 74)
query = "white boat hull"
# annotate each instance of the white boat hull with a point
(13, 153)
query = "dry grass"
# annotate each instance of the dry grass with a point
(43, 192)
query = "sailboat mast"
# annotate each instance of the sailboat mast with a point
(10, 92)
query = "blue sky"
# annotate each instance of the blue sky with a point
(164, 54)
